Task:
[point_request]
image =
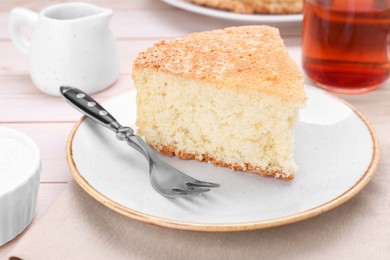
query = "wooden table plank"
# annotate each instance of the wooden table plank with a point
(129, 24)
(113, 4)
(35, 106)
(375, 106)
(13, 62)
(21, 85)
(47, 194)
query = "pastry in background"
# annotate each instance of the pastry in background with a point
(254, 6)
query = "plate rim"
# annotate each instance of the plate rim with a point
(228, 227)
(221, 14)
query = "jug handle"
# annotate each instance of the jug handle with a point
(19, 17)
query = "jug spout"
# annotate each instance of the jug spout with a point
(106, 12)
(76, 11)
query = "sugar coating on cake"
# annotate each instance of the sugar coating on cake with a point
(230, 97)
(248, 57)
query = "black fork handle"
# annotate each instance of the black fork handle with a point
(89, 107)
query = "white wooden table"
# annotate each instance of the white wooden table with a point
(136, 24)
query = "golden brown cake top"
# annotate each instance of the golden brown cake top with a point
(247, 57)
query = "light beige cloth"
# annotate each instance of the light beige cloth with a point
(78, 227)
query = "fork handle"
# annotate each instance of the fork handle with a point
(92, 109)
(89, 107)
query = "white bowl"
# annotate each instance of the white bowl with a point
(20, 168)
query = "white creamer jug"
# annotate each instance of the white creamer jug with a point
(71, 44)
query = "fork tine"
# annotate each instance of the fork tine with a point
(198, 183)
(190, 191)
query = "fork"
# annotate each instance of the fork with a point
(165, 179)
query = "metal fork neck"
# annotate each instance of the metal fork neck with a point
(122, 132)
(114, 126)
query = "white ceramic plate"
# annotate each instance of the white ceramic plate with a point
(272, 19)
(336, 150)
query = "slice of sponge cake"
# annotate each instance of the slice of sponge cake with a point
(230, 97)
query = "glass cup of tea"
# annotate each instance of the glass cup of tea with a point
(346, 44)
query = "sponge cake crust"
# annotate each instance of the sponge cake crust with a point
(246, 57)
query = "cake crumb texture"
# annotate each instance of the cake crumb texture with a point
(237, 128)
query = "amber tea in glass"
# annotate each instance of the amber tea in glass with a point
(346, 44)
